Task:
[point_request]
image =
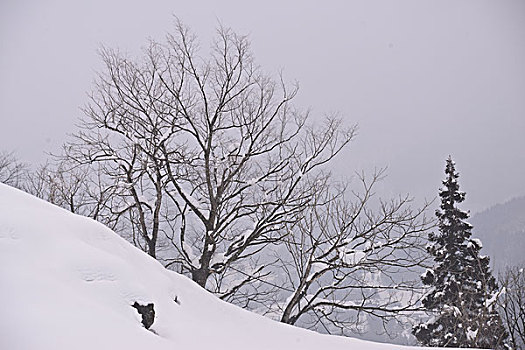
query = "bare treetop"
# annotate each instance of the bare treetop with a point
(211, 151)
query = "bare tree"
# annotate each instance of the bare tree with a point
(351, 255)
(79, 189)
(12, 171)
(209, 155)
(132, 177)
(511, 304)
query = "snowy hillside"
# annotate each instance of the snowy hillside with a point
(68, 282)
(502, 231)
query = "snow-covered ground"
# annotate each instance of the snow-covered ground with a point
(67, 282)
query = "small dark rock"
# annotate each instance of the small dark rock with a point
(147, 312)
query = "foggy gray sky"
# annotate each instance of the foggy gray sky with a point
(424, 79)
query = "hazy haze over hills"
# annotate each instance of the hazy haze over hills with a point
(501, 228)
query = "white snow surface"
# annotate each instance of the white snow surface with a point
(478, 242)
(352, 257)
(68, 282)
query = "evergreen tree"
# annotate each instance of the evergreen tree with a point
(463, 291)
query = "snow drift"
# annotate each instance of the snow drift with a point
(68, 282)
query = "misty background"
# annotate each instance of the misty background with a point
(423, 80)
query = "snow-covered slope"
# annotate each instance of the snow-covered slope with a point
(502, 231)
(67, 282)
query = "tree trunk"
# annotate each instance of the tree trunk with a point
(152, 245)
(200, 276)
